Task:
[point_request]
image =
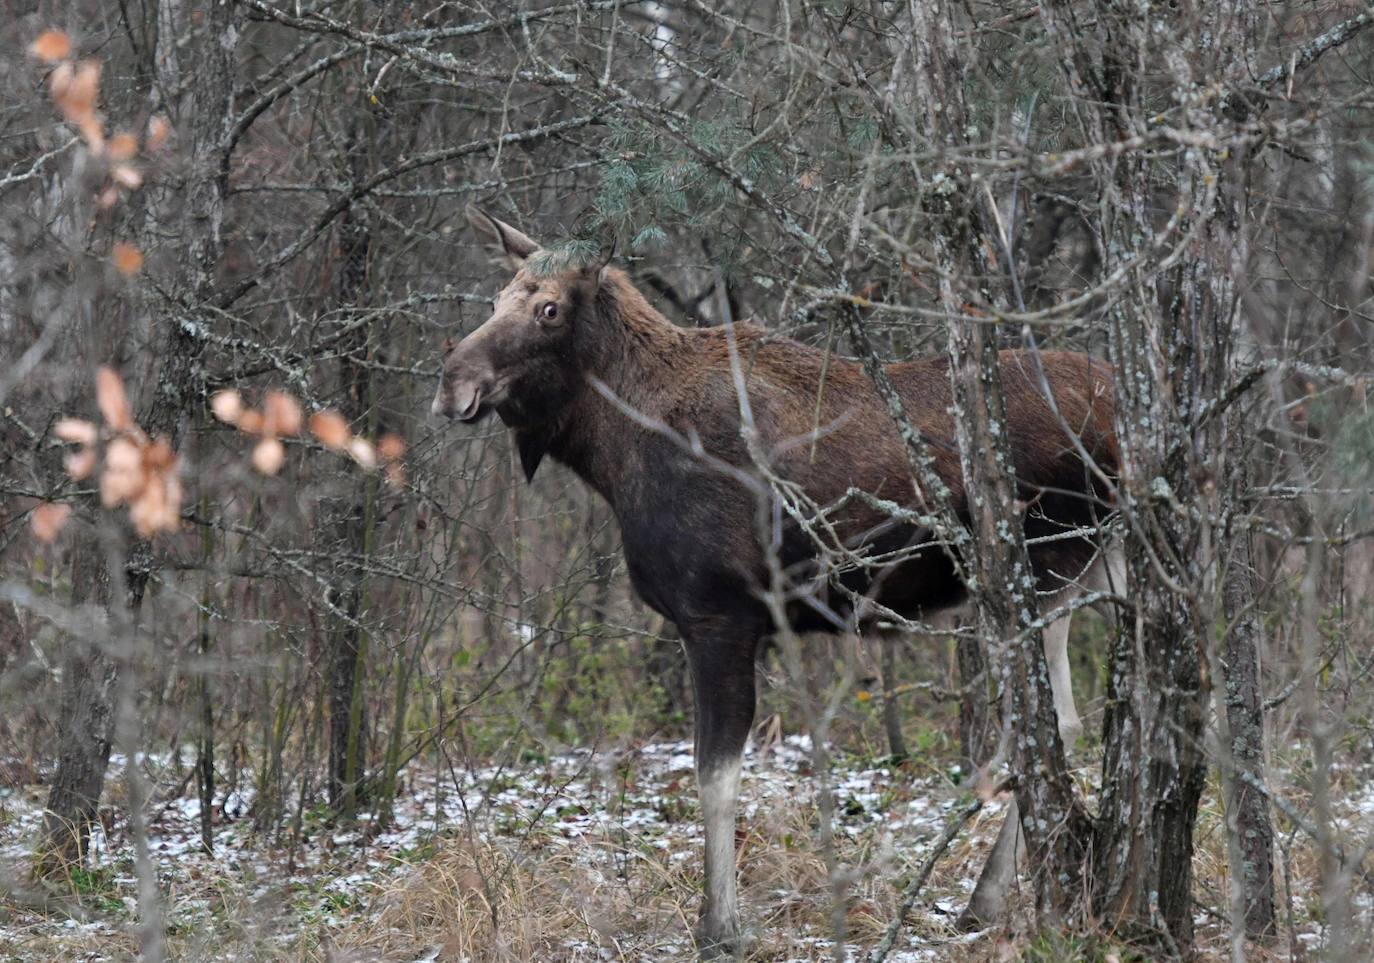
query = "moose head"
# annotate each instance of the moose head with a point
(528, 359)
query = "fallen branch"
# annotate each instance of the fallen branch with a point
(913, 888)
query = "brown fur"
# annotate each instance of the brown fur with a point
(675, 508)
(583, 369)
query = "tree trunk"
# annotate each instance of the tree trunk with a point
(1153, 773)
(976, 728)
(1245, 715)
(83, 731)
(346, 652)
(892, 712)
(1171, 342)
(352, 517)
(1154, 768)
(195, 60)
(1055, 823)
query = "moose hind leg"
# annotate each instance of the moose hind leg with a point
(988, 904)
(1061, 679)
(723, 680)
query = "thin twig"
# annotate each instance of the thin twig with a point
(913, 888)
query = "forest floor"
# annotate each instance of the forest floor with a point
(583, 856)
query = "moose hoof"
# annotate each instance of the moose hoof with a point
(984, 910)
(721, 940)
(971, 922)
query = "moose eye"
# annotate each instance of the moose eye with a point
(549, 311)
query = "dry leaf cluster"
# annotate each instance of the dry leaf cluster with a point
(47, 521)
(137, 471)
(281, 417)
(142, 472)
(75, 89)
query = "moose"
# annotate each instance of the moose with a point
(653, 416)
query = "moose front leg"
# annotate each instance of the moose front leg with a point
(723, 679)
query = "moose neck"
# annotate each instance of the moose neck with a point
(630, 354)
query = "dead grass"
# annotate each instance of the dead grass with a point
(617, 877)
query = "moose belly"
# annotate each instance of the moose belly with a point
(686, 568)
(899, 572)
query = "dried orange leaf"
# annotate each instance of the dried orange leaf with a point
(79, 464)
(60, 81)
(51, 45)
(91, 130)
(128, 260)
(283, 413)
(85, 86)
(74, 91)
(123, 146)
(158, 129)
(47, 520)
(77, 430)
(269, 456)
(126, 175)
(172, 489)
(148, 510)
(108, 198)
(362, 452)
(251, 421)
(158, 456)
(113, 402)
(395, 476)
(331, 429)
(123, 479)
(227, 405)
(157, 506)
(391, 447)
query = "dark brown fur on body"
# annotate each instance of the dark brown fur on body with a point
(579, 365)
(690, 530)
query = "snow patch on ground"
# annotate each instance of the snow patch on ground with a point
(602, 811)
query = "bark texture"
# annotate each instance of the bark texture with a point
(84, 731)
(977, 732)
(1247, 806)
(185, 209)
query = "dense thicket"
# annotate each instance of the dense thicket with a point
(1179, 188)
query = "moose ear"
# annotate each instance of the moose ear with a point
(598, 261)
(509, 245)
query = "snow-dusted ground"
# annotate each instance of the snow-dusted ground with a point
(602, 819)
(589, 855)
